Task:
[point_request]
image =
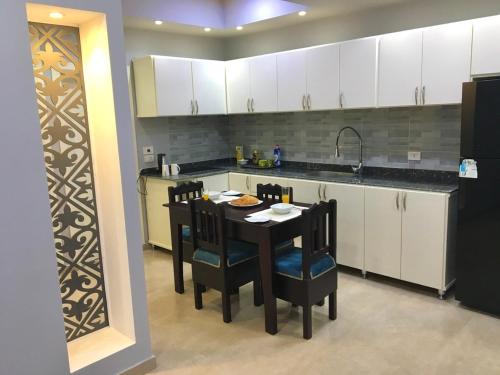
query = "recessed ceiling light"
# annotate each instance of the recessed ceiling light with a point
(302, 13)
(239, 28)
(56, 15)
(158, 22)
(207, 29)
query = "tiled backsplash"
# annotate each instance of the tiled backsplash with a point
(388, 135)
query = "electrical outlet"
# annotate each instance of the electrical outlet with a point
(148, 150)
(149, 158)
(414, 155)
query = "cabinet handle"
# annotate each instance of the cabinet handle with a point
(341, 100)
(423, 95)
(192, 107)
(304, 102)
(196, 103)
(247, 182)
(397, 201)
(416, 95)
(252, 106)
(248, 105)
(404, 202)
(309, 101)
(319, 191)
(324, 192)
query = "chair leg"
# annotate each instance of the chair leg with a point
(307, 321)
(257, 293)
(321, 302)
(332, 306)
(198, 296)
(226, 306)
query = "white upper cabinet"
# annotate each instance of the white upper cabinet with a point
(400, 69)
(292, 86)
(445, 63)
(208, 87)
(358, 73)
(322, 72)
(238, 86)
(174, 86)
(486, 46)
(263, 84)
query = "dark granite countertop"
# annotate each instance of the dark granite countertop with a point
(381, 177)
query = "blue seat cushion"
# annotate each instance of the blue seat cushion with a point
(282, 247)
(237, 252)
(290, 264)
(186, 233)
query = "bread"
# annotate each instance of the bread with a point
(245, 200)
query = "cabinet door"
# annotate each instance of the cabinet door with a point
(358, 73)
(400, 69)
(238, 85)
(445, 63)
(350, 223)
(157, 215)
(486, 46)
(217, 182)
(209, 86)
(322, 67)
(145, 86)
(174, 86)
(254, 180)
(291, 72)
(239, 182)
(263, 83)
(423, 238)
(383, 231)
(306, 191)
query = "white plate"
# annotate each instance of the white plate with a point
(231, 193)
(250, 205)
(257, 219)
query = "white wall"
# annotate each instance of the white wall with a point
(32, 337)
(367, 23)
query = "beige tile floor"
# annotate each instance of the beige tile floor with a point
(383, 327)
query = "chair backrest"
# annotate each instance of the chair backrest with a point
(319, 234)
(270, 192)
(185, 191)
(207, 227)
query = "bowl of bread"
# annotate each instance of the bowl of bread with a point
(245, 201)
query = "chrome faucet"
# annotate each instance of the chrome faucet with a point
(359, 168)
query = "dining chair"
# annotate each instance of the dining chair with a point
(218, 262)
(273, 194)
(185, 192)
(304, 276)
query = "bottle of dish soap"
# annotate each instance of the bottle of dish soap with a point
(277, 156)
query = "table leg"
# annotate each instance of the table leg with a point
(266, 272)
(176, 230)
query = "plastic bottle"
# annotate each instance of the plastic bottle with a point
(277, 156)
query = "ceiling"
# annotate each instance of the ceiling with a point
(222, 16)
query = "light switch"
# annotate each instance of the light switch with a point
(148, 150)
(149, 158)
(414, 155)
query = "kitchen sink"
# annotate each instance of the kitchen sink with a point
(332, 174)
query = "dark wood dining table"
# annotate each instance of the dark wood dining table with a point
(265, 235)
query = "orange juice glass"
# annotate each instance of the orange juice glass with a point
(285, 194)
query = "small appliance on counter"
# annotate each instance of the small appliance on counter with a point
(160, 158)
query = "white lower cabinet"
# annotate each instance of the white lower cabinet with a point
(350, 223)
(408, 235)
(218, 182)
(158, 216)
(383, 231)
(306, 191)
(239, 182)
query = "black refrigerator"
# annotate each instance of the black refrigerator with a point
(478, 242)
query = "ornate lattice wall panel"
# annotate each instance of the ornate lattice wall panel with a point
(57, 68)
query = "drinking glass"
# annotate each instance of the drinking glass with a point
(204, 193)
(285, 194)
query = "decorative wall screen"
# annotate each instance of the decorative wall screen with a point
(57, 67)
